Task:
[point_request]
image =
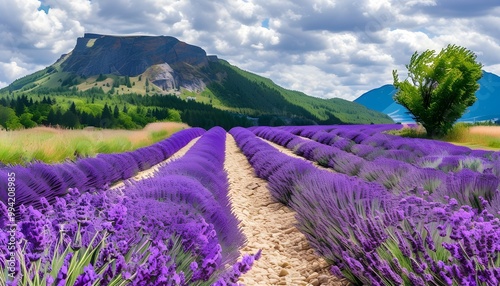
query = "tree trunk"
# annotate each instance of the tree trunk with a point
(431, 131)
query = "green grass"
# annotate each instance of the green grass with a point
(112, 145)
(158, 135)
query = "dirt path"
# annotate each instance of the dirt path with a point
(287, 258)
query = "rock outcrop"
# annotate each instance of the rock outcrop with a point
(165, 77)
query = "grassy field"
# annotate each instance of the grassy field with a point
(477, 137)
(55, 145)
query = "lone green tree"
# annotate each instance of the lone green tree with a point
(439, 87)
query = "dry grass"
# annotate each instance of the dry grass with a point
(477, 137)
(474, 137)
(493, 131)
(55, 145)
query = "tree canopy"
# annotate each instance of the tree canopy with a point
(439, 87)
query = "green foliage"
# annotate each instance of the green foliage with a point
(26, 120)
(270, 120)
(126, 122)
(457, 132)
(127, 82)
(13, 123)
(411, 132)
(6, 115)
(174, 115)
(439, 87)
(71, 80)
(116, 112)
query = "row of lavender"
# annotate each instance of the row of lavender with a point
(370, 142)
(373, 236)
(466, 185)
(50, 181)
(175, 228)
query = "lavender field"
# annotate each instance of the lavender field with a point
(377, 209)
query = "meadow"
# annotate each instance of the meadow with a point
(52, 145)
(475, 136)
(379, 209)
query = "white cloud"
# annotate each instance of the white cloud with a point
(257, 36)
(493, 69)
(12, 70)
(322, 47)
(32, 37)
(15, 68)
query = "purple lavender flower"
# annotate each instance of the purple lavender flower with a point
(415, 280)
(83, 210)
(88, 277)
(241, 267)
(34, 228)
(335, 270)
(116, 215)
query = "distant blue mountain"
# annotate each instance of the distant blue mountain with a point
(486, 107)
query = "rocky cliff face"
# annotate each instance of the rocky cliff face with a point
(165, 77)
(179, 63)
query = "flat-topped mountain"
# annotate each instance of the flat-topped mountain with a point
(172, 63)
(131, 55)
(163, 65)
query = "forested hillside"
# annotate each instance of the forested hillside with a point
(94, 108)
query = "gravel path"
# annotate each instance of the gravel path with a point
(287, 258)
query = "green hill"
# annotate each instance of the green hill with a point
(258, 95)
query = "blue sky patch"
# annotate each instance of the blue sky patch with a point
(265, 23)
(44, 8)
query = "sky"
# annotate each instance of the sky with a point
(325, 48)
